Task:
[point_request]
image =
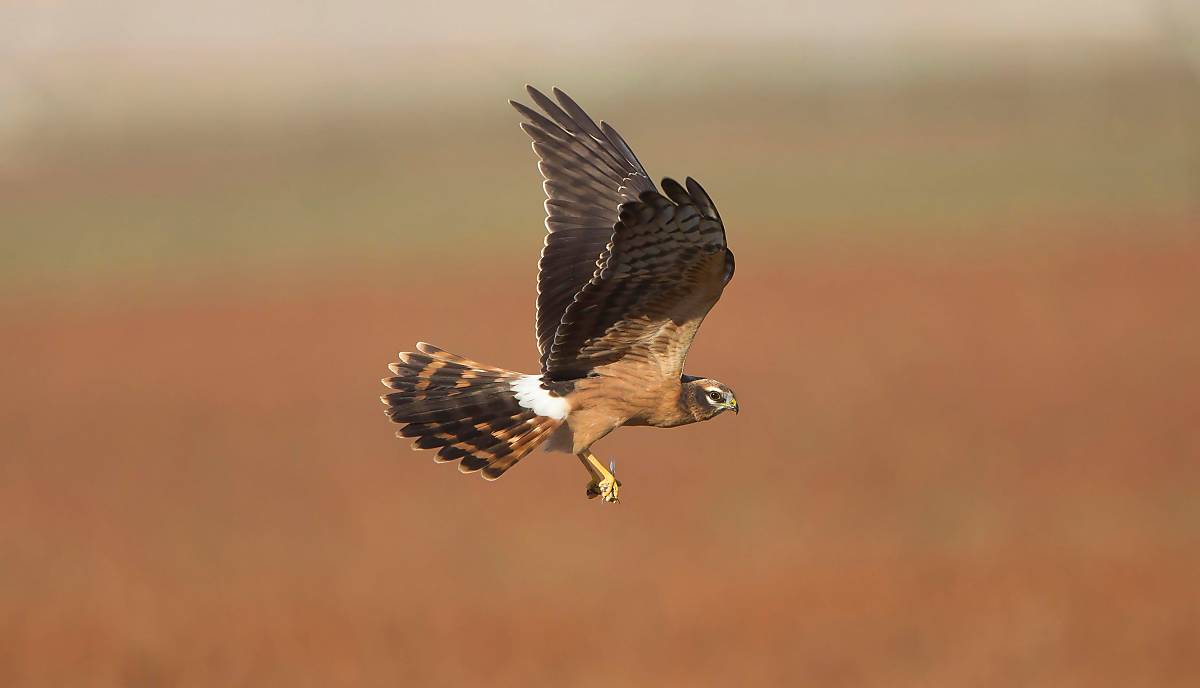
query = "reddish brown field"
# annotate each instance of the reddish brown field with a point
(961, 464)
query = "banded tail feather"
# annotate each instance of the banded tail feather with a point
(485, 418)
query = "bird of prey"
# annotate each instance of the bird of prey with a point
(627, 274)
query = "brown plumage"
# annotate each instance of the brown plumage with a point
(627, 275)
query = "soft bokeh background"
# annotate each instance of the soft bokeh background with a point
(964, 332)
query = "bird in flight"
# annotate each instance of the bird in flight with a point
(627, 275)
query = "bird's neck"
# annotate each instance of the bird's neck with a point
(676, 410)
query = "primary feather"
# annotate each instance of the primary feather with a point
(589, 172)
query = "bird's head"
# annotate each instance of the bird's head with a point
(707, 398)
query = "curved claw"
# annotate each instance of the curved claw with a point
(609, 490)
(604, 483)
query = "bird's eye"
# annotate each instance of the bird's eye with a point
(714, 395)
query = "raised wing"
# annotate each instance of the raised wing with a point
(664, 268)
(589, 172)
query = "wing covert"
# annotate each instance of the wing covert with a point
(663, 270)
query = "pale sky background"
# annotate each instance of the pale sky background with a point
(146, 26)
(87, 62)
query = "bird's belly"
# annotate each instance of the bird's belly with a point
(561, 440)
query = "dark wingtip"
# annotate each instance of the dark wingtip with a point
(674, 190)
(695, 189)
(563, 99)
(518, 104)
(697, 192)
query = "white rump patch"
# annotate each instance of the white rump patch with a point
(530, 395)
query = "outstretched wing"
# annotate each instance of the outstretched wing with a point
(589, 172)
(664, 268)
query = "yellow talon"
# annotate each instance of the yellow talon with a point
(603, 483)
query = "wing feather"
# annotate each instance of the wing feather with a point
(589, 171)
(663, 270)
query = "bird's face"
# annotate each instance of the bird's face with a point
(708, 398)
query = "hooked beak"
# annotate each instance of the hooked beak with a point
(733, 405)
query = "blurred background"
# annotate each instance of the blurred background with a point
(963, 330)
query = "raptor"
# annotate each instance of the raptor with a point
(627, 274)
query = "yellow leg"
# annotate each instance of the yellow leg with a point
(604, 483)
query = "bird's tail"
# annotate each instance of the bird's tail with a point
(486, 418)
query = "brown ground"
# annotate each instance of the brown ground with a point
(961, 464)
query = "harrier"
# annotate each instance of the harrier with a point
(627, 275)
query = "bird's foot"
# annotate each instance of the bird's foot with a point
(605, 485)
(606, 488)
